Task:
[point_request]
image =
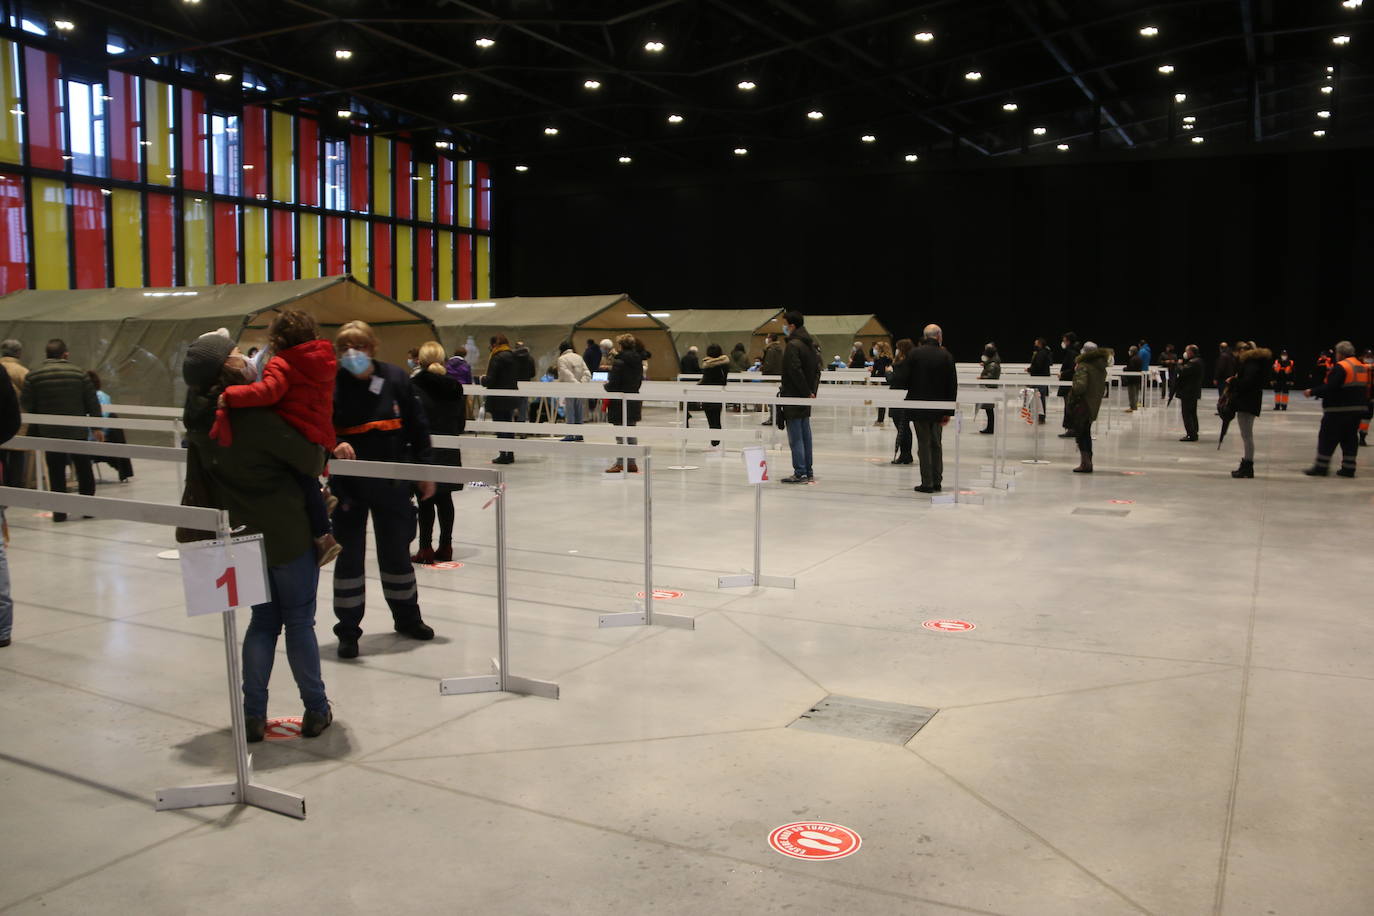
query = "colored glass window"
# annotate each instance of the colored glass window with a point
(382, 278)
(253, 151)
(404, 267)
(126, 231)
(308, 246)
(424, 264)
(160, 239)
(283, 245)
(12, 112)
(283, 153)
(14, 235)
(308, 162)
(381, 176)
(197, 233)
(226, 242)
(42, 109)
(159, 153)
(254, 244)
(195, 135)
(88, 237)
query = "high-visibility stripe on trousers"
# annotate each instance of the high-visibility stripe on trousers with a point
(393, 528)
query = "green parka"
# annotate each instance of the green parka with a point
(1089, 385)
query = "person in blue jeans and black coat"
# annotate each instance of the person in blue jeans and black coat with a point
(801, 376)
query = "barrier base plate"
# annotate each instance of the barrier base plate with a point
(227, 793)
(749, 580)
(1034, 461)
(491, 683)
(638, 619)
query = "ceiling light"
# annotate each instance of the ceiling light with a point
(106, 191)
(911, 157)
(741, 151)
(1039, 131)
(1323, 113)
(648, 315)
(474, 305)
(625, 160)
(1319, 133)
(1189, 120)
(1330, 69)
(653, 47)
(114, 49)
(1063, 147)
(1180, 97)
(1009, 106)
(815, 114)
(1351, 4)
(924, 37)
(438, 144)
(1166, 69)
(551, 131)
(522, 168)
(344, 113)
(484, 42)
(224, 77)
(63, 25)
(343, 53)
(191, 2)
(1327, 90)
(674, 119)
(869, 138)
(1338, 40)
(973, 76)
(248, 167)
(1199, 139)
(1188, 126)
(591, 84)
(1149, 31)
(459, 97)
(747, 85)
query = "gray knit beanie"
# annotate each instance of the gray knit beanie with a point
(205, 357)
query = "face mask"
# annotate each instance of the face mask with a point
(355, 361)
(412, 364)
(250, 372)
(787, 332)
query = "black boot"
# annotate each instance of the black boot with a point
(1246, 469)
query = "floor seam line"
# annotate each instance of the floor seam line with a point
(564, 747)
(1080, 690)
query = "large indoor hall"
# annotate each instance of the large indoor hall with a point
(686, 456)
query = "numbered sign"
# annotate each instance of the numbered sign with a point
(219, 575)
(756, 463)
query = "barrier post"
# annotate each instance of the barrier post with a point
(644, 614)
(1038, 405)
(757, 578)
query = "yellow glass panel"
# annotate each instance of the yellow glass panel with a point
(359, 257)
(10, 127)
(405, 263)
(254, 245)
(308, 246)
(159, 154)
(196, 229)
(424, 192)
(444, 254)
(50, 234)
(381, 176)
(127, 227)
(464, 202)
(483, 268)
(283, 160)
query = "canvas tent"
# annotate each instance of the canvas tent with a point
(837, 333)
(136, 338)
(702, 327)
(543, 322)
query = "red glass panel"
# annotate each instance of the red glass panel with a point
(424, 264)
(123, 119)
(466, 288)
(483, 179)
(193, 140)
(400, 169)
(308, 159)
(382, 280)
(226, 243)
(160, 239)
(253, 151)
(335, 262)
(444, 201)
(14, 241)
(283, 245)
(88, 236)
(359, 171)
(42, 104)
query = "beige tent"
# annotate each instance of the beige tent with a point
(837, 333)
(545, 322)
(136, 338)
(702, 327)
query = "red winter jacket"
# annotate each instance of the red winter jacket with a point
(298, 383)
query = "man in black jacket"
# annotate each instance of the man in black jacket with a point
(690, 364)
(801, 376)
(61, 387)
(1188, 389)
(1225, 367)
(1041, 362)
(772, 365)
(932, 378)
(1071, 348)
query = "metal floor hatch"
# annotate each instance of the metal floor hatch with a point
(866, 720)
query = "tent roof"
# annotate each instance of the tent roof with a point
(519, 311)
(693, 321)
(857, 325)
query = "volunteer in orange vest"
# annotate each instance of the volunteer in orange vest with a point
(1345, 399)
(1283, 380)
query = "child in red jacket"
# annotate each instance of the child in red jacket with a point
(298, 383)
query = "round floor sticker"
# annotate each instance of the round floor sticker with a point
(447, 564)
(814, 841)
(948, 626)
(662, 594)
(1134, 473)
(283, 728)
(1122, 502)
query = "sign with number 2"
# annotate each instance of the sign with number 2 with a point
(219, 575)
(756, 464)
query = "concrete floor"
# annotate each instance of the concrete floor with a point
(1167, 712)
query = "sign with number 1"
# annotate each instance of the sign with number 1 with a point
(219, 575)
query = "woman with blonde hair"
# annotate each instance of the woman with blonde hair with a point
(441, 396)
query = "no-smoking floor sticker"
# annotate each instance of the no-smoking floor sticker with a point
(815, 841)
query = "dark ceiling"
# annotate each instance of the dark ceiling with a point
(1251, 71)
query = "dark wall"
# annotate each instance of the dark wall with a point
(1275, 247)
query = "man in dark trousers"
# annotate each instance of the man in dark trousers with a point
(932, 378)
(801, 376)
(61, 387)
(1070, 345)
(1188, 389)
(1344, 397)
(1042, 361)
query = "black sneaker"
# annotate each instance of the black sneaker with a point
(1068, 435)
(254, 728)
(924, 489)
(312, 723)
(1346, 472)
(417, 630)
(795, 478)
(901, 461)
(4, 642)
(1315, 471)
(348, 648)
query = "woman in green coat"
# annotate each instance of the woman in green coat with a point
(1085, 398)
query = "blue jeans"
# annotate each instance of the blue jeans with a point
(799, 440)
(292, 606)
(6, 602)
(574, 410)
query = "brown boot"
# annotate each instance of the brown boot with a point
(633, 468)
(615, 468)
(1085, 463)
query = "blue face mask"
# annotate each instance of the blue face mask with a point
(787, 330)
(355, 361)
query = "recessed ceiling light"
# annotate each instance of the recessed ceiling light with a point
(1330, 69)
(63, 25)
(191, 2)
(591, 84)
(1166, 68)
(1189, 120)
(741, 151)
(551, 131)
(625, 160)
(224, 77)
(1319, 133)
(1009, 106)
(1180, 97)
(459, 97)
(1323, 113)
(522, 168)
(1341, 40)
(438, 144)
(1327, 90)
(1188, 126)
(815, 114)
(1039, 131)
(747, 85)
(344, 113)
(485, 42)
(973, 76)
(106, 191)
(343, 53)
(653, 47)
(869, 138)
(1063, 147)
(924, 37)
(1199, 139)
(911, 157)
(1149, 31)
(674, 119)
(1351, 4)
